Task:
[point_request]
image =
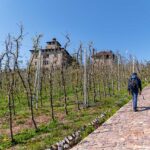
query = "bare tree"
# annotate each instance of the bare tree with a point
(64, 88)
(10, 82)
(36, 42)
(51, 90)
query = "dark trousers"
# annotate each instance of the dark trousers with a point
(134, 100)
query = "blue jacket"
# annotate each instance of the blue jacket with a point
(136, 90)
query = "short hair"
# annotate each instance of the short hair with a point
(134, 73)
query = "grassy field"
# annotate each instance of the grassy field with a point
(50, 131)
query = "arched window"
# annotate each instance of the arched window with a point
(107, 56)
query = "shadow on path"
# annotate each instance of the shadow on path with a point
(143, 108)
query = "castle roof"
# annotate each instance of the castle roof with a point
(54, 42)
(52, 46)
(104, 53)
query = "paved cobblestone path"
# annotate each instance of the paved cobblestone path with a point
(125, 130)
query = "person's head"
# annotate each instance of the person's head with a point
(134, 75)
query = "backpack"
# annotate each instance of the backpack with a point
(134, 83)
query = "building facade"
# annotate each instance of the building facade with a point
(104, 57)
(53, 54)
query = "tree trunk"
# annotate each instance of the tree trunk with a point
(51, 92)
(64, 89)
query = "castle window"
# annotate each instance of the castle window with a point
(35, 56)
(45, 62)
(113, 56)
(107, 56)
(35, 63)
(46, 56)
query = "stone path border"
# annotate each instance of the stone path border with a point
(75, 137)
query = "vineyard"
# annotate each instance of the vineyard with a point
(39, 107)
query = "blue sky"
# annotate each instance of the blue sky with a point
(122, 25)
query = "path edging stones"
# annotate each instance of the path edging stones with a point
(75, 137)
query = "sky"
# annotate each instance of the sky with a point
(117, 25)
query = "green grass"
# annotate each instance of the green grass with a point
(53, 131)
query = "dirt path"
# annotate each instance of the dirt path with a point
(126, 130)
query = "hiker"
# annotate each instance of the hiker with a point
(134, 88)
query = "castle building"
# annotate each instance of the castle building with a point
(104, 57)
(53, 54)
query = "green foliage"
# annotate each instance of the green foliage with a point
(24, 136)
(4, 142)
(87, 131)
